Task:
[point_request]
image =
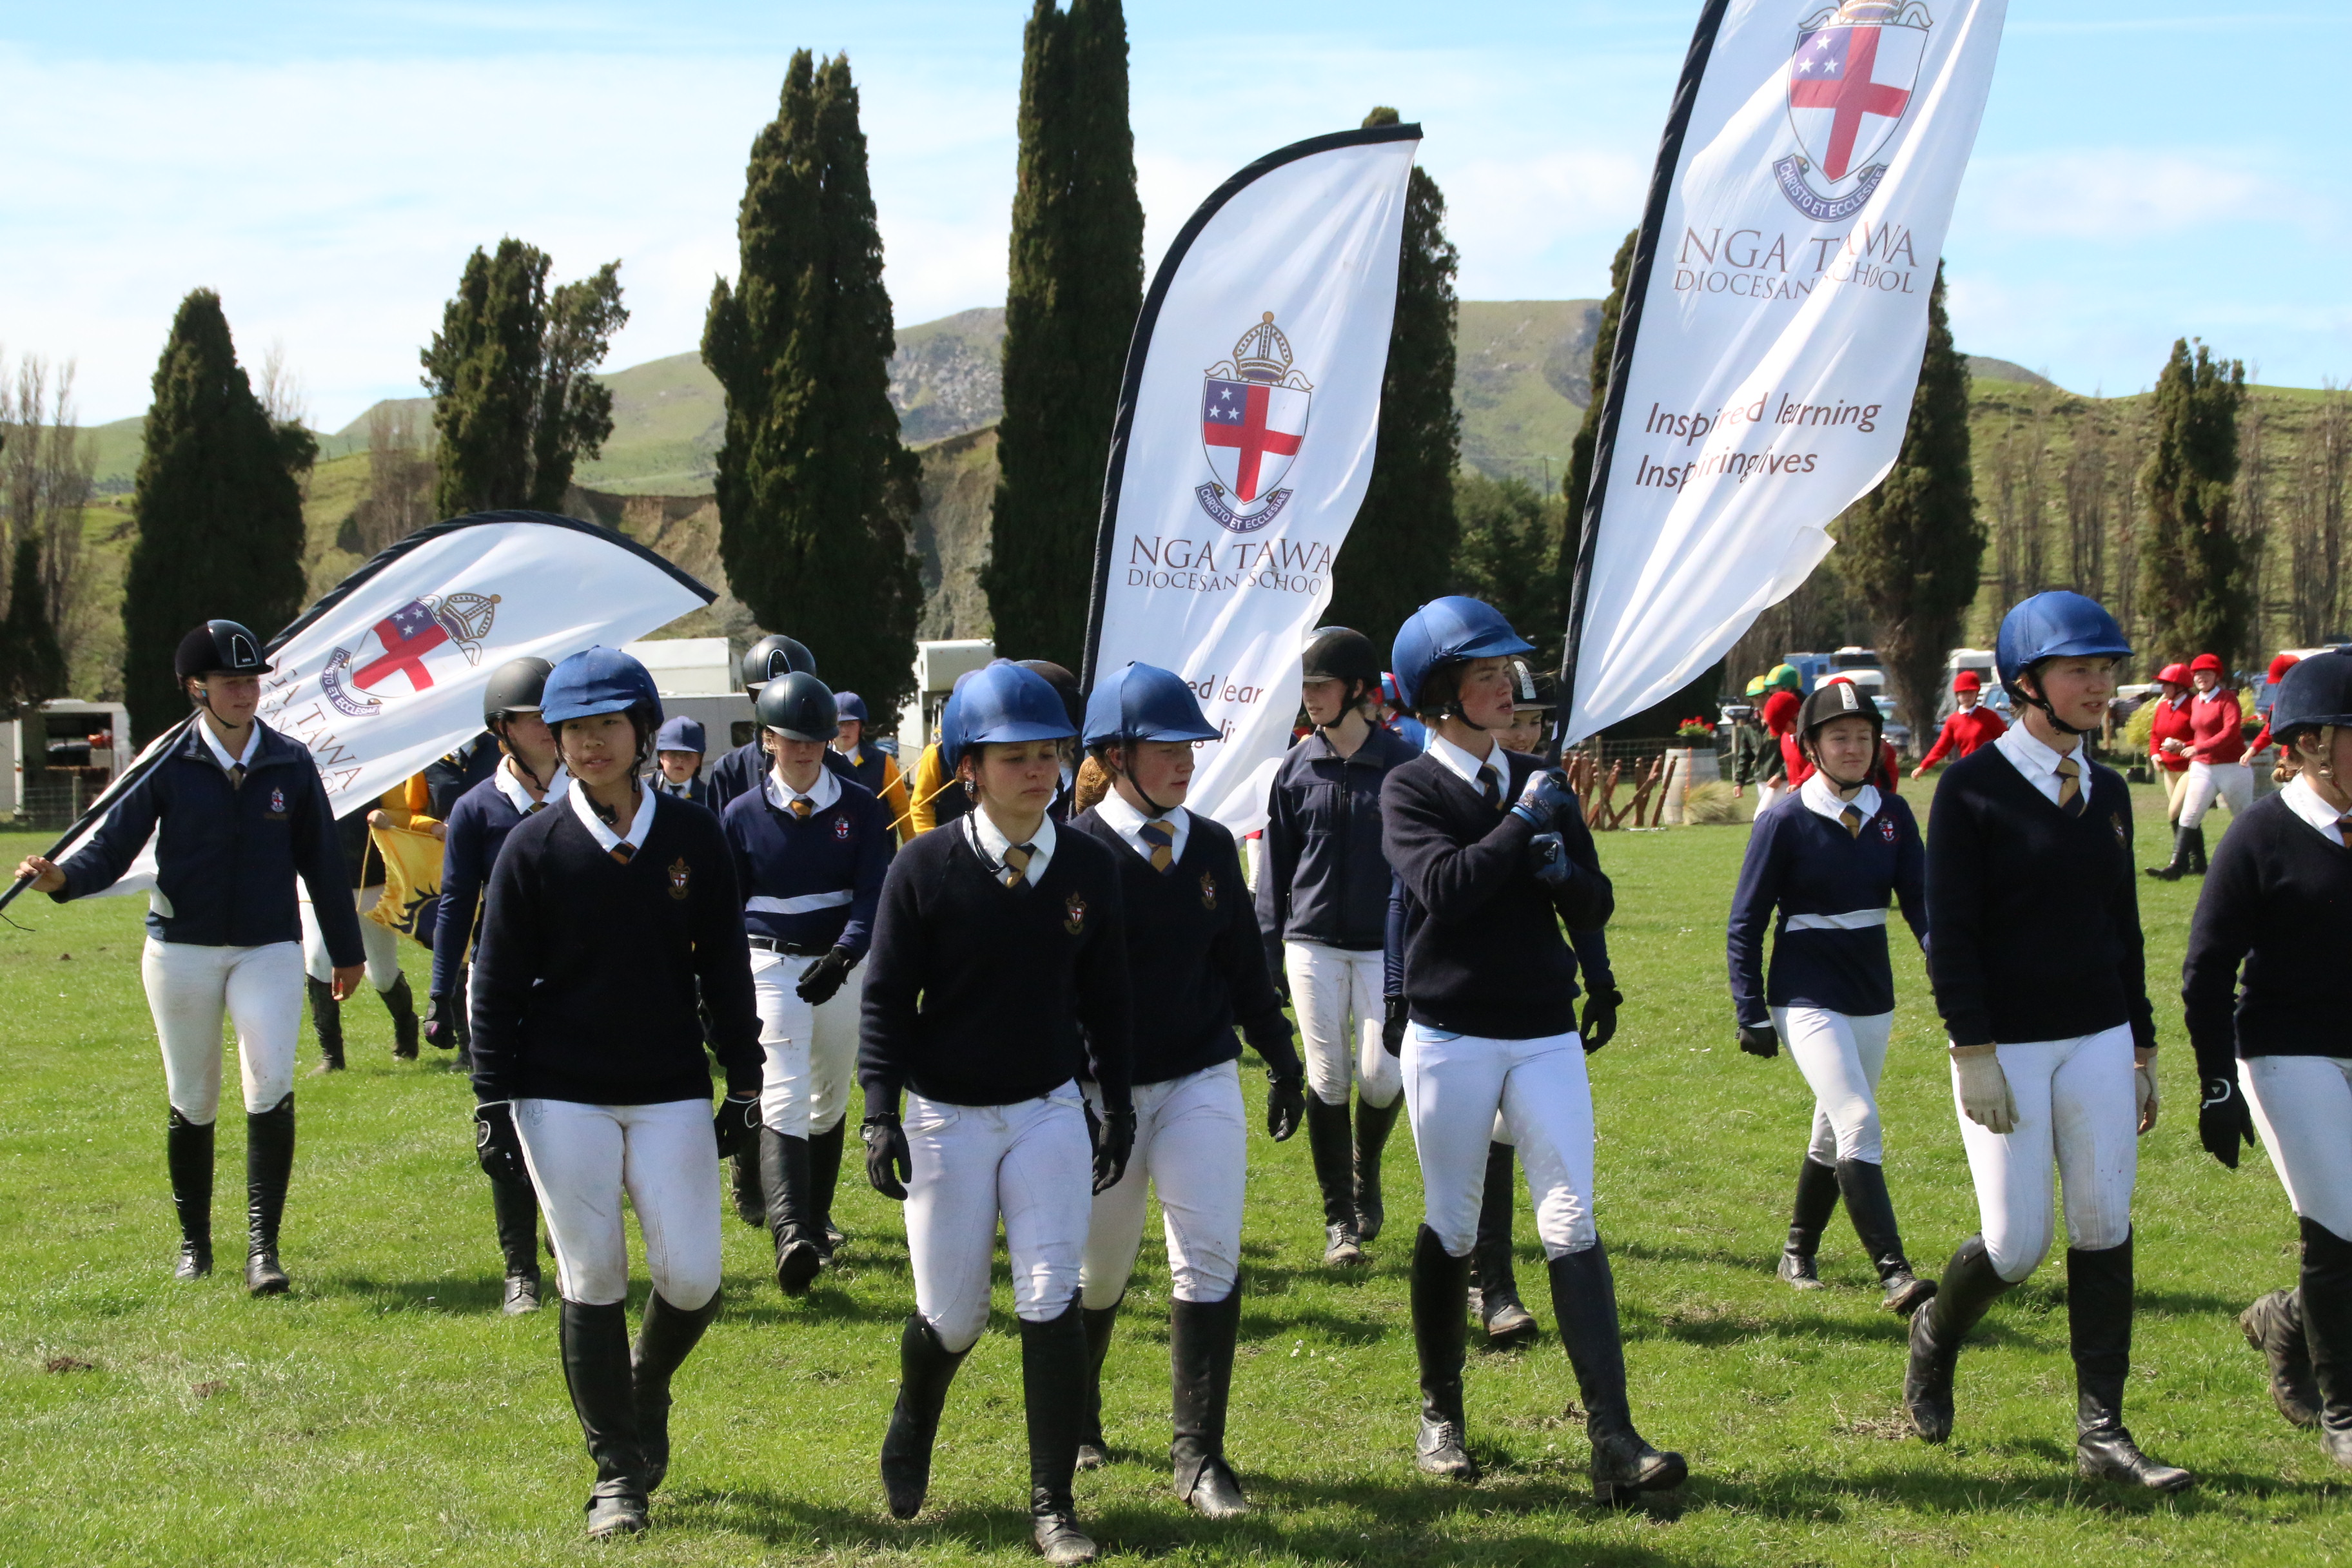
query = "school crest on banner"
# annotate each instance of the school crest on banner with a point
(1254, 410)
(1851, 80)
(397, 655)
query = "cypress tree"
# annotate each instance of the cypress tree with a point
(1912, 547)
(217, 510)
(1074, 290)
(32, 663)
(2193, 587)
(1578, 477)
(816, 493)
(513, 399)
(1401, 543)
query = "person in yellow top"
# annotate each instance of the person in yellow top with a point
(872, 766)
(402, 805)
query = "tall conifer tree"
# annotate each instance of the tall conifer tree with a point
(815, 491)
(1912, 547)
(1401, 544)
(217, 511)
(1074, 286)
(1578, 477)
(2193, 587)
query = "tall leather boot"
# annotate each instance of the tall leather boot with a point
(925, 1368)
(750, 1202)
(2172, 870)
(327, 1022)
(825, 1180)
(1585, 1298)
(2327, 1297)
(401, 1002)
(2197, 850)
(1817, 1197)
(268, 1166)
(1054, 1394)
(1441, 1296)
(784, 1176)
(1494, 1282)
(1200, 1353)
(664, 1340)
(1373, 1124)
(1093, 1452)
(1969, 1286)
(515, 1207)
(2098, 1327)
(188, 1156)
(1330, 1143)
(596, 1342)
(2274, 1325)
(1864, 1183)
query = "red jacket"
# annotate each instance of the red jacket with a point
(2216, 727)
(2171, 724)
(1964, 731)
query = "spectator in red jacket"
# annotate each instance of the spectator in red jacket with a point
(2279, 667)
(1971, 725)
(2216, 750)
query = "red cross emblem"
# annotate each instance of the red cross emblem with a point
(1849, 84)
(408, 633)
(1242, 426)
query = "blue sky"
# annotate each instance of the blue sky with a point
(2147, 168)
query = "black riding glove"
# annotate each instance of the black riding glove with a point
(2224, 1124)
(441, 1022)
(1548, 858)
(1113, 1138)
(497, 1145)
(1759, 1040)
(821, 979)
(1600, 1018)
(1544, 799)
(1286, 1104)
(1392, 1026)
(737, 1124)
(889, 1164)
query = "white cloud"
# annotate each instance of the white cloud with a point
(2121, 195)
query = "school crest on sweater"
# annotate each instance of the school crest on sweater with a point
(1075, 921)
(678, 873)
(1208, 889)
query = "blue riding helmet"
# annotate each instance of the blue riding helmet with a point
(1004, 704)
(849, 705)
(2317, 691)
(598, 681)
(1452, 630)
(1144, 702)
(2055, 625)
(680, 734)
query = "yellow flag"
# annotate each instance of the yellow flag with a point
(412, 882)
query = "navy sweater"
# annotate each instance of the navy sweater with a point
(476, 829)
(1322, 877)
(738, 774)
(1590, 948)
(1193, 956)
(978, 993)
(826, 871)
(586, 979)
(226, 854)
(1800, 863)
(2035, 914)
(2276, 900)
(1483, 950)
(447, 781)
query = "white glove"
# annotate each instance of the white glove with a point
(2144, 1093)
(1985, 1099)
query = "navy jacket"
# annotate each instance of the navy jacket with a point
(738, 773)
(812, 884)
(1322, 876)
(2276, 901)
(447, 781)
(698, 789)
(476, 827)
(1800, 864)
(226, 856)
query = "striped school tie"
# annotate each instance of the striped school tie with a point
(801, 807)
(2344, 829)
(2070, 787)
(1490, 785)
(1016, 863)
(624, 851)
(1163, 840)
(1852, 818)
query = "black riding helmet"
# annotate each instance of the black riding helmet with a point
(1340, 653)
(218, 648)
(774, 656)
(515, 687)
(1838, 700)
(799, 707)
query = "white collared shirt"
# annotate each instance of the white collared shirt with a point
(639, 825)
(518, 795)
(2303, 801)
(1128, 822)
(988, 842)
(1468, 768)
(220, 752)
(661, 781)
(2038, 763)
(781, 794)
(1821, 798)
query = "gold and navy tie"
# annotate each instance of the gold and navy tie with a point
(624, 851)
(801, 807)
(2344, 829)
(236, 776)
(1016, 863)
(1490, 785)
(1852, 818)
(2070, 786)
(1163, 840)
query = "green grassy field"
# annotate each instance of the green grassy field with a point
(385, 1413)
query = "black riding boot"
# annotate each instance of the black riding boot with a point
(664, 1340)
(1093, 1452)
(2197, 851)
(750, 1204)
(1054, 1392)
(1328, 1141)
(188, 1156)
(2183, 862)
(1441, 1297)
(1494, 1282)
(269, 1165)
(1373, 1124)
(515, 1207)
(925, 1368)
(784, 1176)
(1817, 1197)
(401, 1002)
(2098, 1325)
(596, 1342)
(1201, 1350)
(1969, 1286)
(1585, 1298)
(327, 1022)
(2274, 1325)
(825, 1179)
(1872, 1213)
(2326, 1292)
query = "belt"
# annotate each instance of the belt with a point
(789, 949)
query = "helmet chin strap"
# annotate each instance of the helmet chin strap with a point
(2038, 700)
(1129, 774)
